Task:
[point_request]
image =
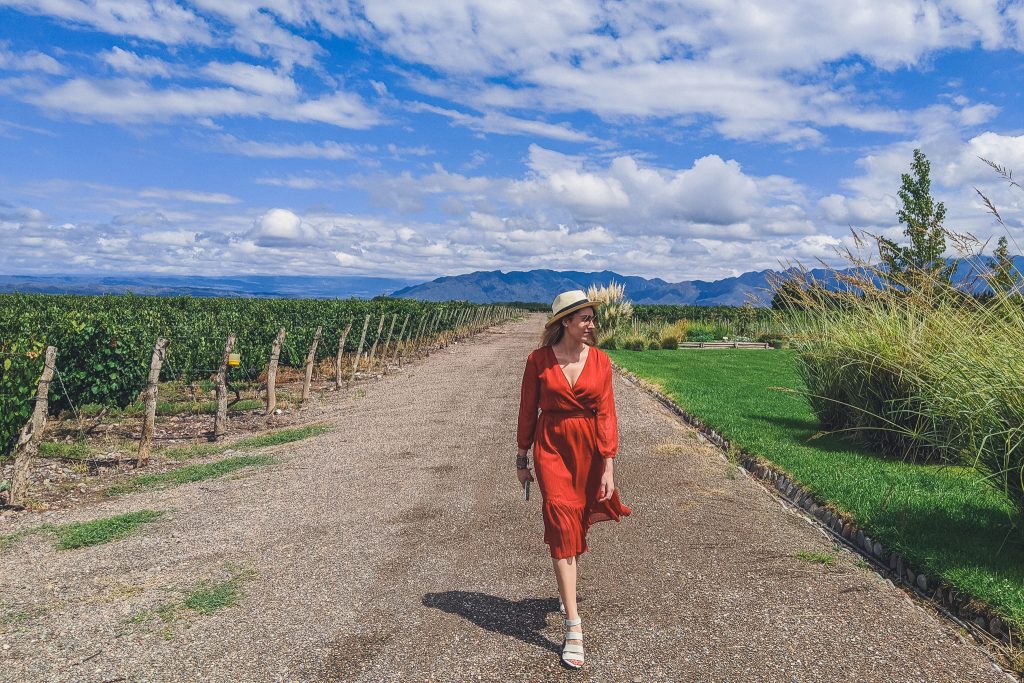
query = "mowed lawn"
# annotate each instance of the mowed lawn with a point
(946, 520)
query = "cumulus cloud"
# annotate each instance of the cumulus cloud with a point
(958, 169)
(278, 224)
(713, 196)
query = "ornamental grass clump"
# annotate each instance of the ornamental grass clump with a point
(914, 366)
(615, 310)
(941, 383)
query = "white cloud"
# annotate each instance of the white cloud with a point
(159, 20)
(28, 61)
(767, 71)
(278, 224)
(341, 109)
(496, 122)
(252, 78)
(761, 71)
(133, 101)
(712, 197)
(128, 62)
(178, 238)
(188, 196)
(236, 241)
(957, 168)
(492, 38)
(328, 149)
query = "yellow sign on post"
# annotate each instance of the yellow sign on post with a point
(234, 359)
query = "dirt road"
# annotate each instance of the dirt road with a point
(398, 547)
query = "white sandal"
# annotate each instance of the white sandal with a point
(572, 652)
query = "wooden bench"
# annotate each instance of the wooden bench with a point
(724, 345)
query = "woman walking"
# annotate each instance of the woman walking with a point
(575, 439)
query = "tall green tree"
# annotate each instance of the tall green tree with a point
(1003, 274)
(919, 264)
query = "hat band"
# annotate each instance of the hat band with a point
(566, 308)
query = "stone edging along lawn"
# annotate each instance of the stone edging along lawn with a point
(962, 609)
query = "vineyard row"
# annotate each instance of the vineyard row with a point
(106, 343)
(439, 327)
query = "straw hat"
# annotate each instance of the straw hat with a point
(568, 303)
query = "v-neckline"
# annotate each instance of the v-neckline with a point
(572, 385)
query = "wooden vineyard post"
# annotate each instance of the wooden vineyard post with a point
(449, 334)
(373, 347)
(429, 323)
(445, 330)
(149, 414)
(399, 343)
(27, 445)
(437, 324)
(275, 356)
(310, 357)
(220, 423)
(419, 335)
(387, 342)
(460, 319)
(359, 351)
(337, 360)
(437, 328)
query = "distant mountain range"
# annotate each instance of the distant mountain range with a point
(480, 287)
(544, 285)
(287, 286)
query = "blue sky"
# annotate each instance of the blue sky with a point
(698, 139)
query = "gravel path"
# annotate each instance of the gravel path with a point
(398, 547)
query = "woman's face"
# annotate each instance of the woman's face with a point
(581, 326)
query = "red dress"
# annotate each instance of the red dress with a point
(576, 428)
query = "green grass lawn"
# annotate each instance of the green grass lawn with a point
(943, 519)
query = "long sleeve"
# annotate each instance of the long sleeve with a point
(607, 420)
(529, 401)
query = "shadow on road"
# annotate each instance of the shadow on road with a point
(524, 619)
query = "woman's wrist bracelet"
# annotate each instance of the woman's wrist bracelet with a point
(522, 463)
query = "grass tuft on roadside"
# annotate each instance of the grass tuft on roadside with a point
(817, 557)
(75, 535)
(262, 441)
(188, 474)
(205, 598)
(208, 599)
(99, 531)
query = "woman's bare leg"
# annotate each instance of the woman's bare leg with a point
(565, 574)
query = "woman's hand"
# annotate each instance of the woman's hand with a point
(607, 486)
(524, 476)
